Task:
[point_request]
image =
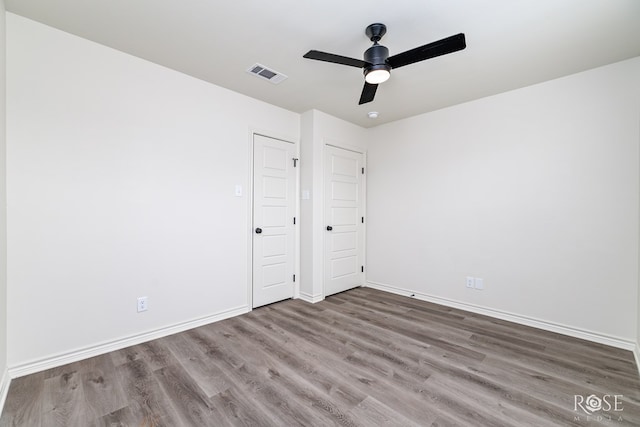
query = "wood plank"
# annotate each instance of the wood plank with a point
(211, 379)
(23, 405)
(236, 410)
(63, 401)
(148, 402)
(189, 401)
(102, 392)
(123, 417)
(374, 413)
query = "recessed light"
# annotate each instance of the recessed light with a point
(372, 114)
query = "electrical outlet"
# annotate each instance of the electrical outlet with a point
(479, 284)
(470, 282)
(142, 304)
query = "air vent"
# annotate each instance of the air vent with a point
(266, 73)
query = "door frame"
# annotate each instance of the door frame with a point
(363, 152)
(251, 225)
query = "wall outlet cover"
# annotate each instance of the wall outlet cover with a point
(142, 304)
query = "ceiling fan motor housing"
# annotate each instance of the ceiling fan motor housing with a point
(376, 56)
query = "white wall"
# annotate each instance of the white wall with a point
(317, 130)
(3, 216)
(121, 181)
(535, 191)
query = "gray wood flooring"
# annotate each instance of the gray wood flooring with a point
(360, 358)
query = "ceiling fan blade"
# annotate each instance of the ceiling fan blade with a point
(430, 50)
(336, 59)
(368, 93)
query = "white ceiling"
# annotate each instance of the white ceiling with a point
(510, 44)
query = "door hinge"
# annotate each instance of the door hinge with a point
(294, 278)
(362, 269)
(294, 220)
(363, 220)
(295, 162)
(362, 171)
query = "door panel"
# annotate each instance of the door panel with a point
(273, 211)
(274, 187)
(345, 266)
(344, 241)
(347, 191)
(344, 206)
(343, 216)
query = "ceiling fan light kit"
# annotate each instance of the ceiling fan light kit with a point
(377, 64)
(377, 74)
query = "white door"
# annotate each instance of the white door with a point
(274, 204)
(344, 220)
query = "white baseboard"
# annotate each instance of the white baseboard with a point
(105, 347)
(311, 298)
(636, 354)
(5, 381)
(515, 318)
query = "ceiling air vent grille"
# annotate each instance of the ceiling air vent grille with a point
(266, 73)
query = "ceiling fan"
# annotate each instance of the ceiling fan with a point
(377, 64)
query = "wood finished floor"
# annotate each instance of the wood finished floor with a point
(360, 358)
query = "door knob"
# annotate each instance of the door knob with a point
(258, 230)
(329, 228)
